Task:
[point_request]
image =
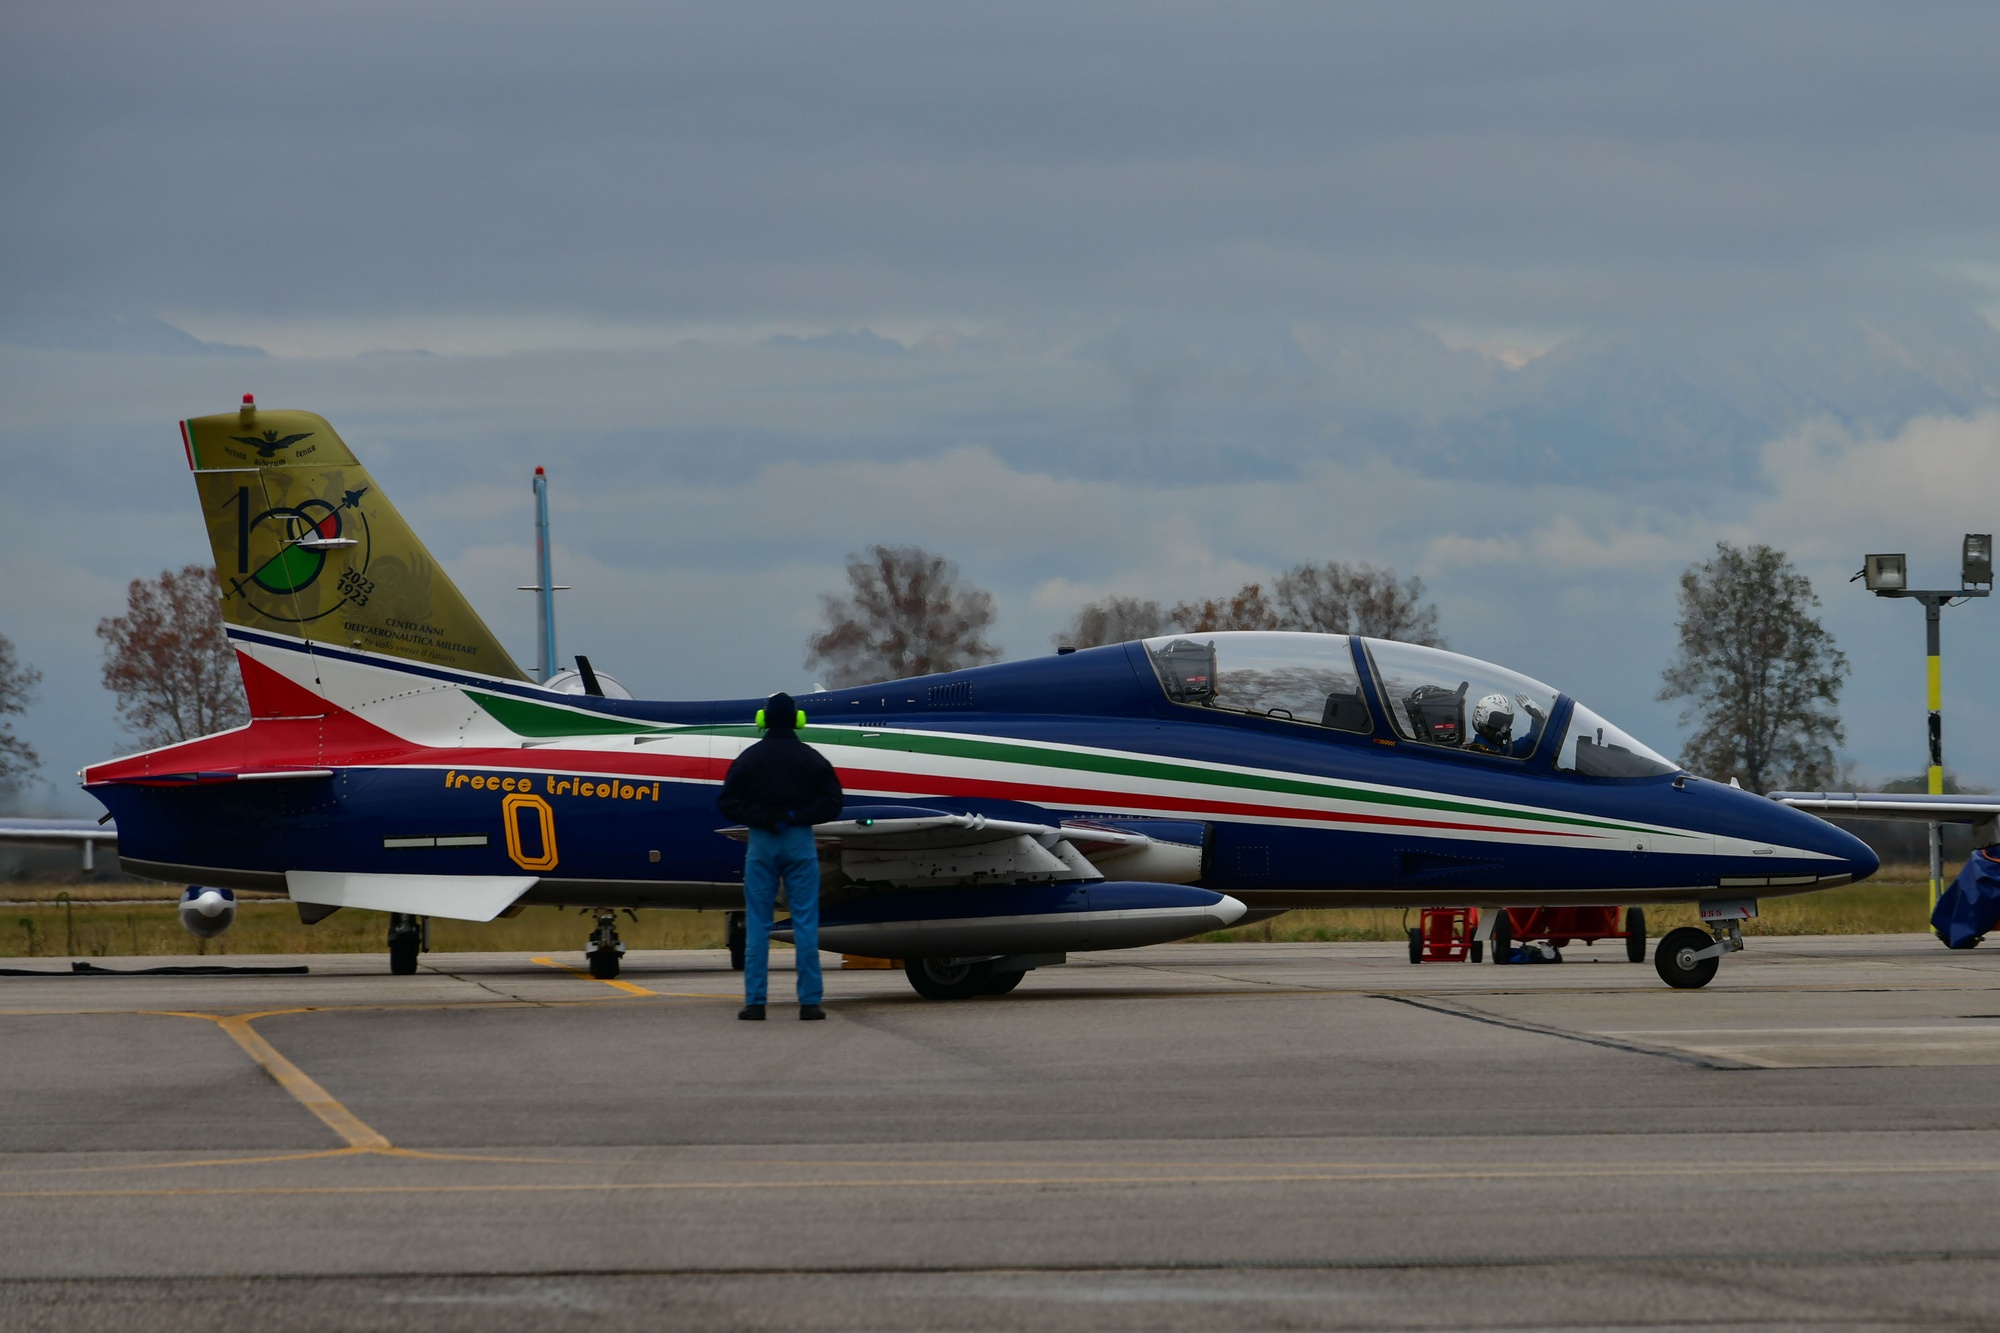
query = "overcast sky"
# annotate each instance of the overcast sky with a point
(1536, 301)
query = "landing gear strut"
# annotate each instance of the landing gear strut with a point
(737, 936)
(408, 936)
(605, 950)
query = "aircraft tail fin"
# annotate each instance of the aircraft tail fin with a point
(309, 549)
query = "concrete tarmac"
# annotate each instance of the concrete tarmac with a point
(1191, 1136)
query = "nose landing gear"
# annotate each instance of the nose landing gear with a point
(605, 950)
(1687, 959)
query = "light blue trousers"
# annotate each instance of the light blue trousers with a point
(789, 856)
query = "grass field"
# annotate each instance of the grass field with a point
(101, 920)
(101, 929)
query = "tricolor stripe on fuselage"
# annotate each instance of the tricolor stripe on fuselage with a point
(508, 730)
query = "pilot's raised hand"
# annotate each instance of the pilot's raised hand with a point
(1529, 705)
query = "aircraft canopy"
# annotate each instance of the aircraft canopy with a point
(1295, 677)
(1432, 696)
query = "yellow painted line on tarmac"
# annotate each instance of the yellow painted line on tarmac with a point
(266, 1160)
(324, 1154)
(292, 1079)
(625, 986)
(1043, 1182)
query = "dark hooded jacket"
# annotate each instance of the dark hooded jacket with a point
(780, 782)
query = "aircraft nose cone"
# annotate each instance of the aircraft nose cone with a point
(1860, 857)
(1816, 835)
(1760, 838)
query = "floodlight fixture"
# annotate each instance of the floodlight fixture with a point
(1886, 573)
(1976, 569)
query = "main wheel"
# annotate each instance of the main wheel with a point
(1416, 944)
(403, 955)
(948, 978)
(1503, 936)
(1478, 951)
(999, 983)
(1635, 934)
(737, 935)
(1676, 963)
(604, 964)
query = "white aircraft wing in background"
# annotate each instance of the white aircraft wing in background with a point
(1982, 812)
(87, 835)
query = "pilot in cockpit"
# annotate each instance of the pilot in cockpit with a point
(1493, 726)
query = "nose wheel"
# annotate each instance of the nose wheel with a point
(605, 951)
(1687, 959)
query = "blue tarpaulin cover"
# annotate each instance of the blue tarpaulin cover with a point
(1971, 906)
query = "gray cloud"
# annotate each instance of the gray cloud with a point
(1529, 162)
(1538, 300)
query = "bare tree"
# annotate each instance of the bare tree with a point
(1332, 598)
(1248, 609)
(905, 613)
(168, 660)
(17, 690)
(1336, 598)
(1762, 675)
(1113, 620)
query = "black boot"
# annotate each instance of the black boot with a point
(811, 1012)
(753, 1012)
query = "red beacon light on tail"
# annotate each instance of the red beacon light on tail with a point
(249, 409)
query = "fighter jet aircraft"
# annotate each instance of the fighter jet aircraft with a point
(999, 817)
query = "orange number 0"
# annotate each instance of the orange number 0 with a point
(510, 814)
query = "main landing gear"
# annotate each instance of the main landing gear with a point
(1687, 959)
(605, 950)
(408, 936)
(737, 936)
(963, 978)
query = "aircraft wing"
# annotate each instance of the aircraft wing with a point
(459, 897)
(1893, 805)
(908, 848)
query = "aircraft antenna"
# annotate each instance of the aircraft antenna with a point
(544, 587)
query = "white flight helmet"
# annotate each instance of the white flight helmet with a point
(1493, 718)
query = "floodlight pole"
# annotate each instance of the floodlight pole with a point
(1935, 600)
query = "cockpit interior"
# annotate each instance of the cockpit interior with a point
(1432, 697)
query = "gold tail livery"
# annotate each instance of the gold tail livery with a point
(999, 817)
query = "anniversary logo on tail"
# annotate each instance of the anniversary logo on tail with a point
(307, 546)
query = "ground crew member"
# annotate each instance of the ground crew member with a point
(780, 787)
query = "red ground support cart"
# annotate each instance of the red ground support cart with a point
(1559, 926)
(1446, 936)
